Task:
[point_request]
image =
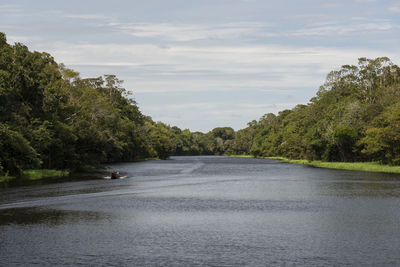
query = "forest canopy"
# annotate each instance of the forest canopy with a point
(355, 116)
(52, 118)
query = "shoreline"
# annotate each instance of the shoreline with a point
(42, 174)
(349, 166)
(240, 156)
(33, 175)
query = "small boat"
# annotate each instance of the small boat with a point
(114, 175)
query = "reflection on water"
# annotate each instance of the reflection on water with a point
(53, 180)
(348, 184)
(205, 211)
(49, 217)
(356, 189)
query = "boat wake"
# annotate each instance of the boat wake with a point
(109, 178)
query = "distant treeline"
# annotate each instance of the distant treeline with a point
(51, 118)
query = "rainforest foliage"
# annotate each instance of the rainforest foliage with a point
(52, 118)
(355, 116)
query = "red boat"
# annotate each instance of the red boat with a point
(114, 175)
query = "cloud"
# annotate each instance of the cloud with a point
(395, 8)
(151, 68)
(365, 1)
(88, 16)
(10, 9)
(20, 39)
(192, 32)
(258, 50)
(197, 115)
(345, 29)
(221, 109)
(14, 10)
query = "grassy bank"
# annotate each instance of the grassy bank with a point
(33, 175)
(148, 159)
(352, 166)
(240, 156)
(41, 174)
(5, 179)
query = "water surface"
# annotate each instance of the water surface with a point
(205, 211)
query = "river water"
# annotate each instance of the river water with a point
(205, 211)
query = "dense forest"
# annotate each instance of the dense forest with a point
(52, 118)
(355, 116)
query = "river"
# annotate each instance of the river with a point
(205, 211)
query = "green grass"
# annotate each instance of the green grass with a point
(148, 159)
(36, 175)
(240, 156)
(352, 166)
(44, 173)
(4, 179)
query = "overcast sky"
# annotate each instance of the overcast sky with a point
(200, 64)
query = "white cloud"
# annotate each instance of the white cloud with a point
(197, 115)
(151, 68)
(87, 16)
(17, 39)
(342, 29)
(277, 55)
(395, 8)
(365, 1)
(221, 109)
(192, 32)
(10, 8)
(197, 57)
(14, 10)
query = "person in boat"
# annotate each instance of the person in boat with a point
(114, 175)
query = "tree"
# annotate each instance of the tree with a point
(16, 153)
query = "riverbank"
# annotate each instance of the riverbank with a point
(351, 166)
(32, 175)
(39, 174)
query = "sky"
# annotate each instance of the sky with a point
(201, 64)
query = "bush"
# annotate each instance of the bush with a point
(15, 152)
